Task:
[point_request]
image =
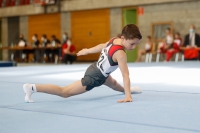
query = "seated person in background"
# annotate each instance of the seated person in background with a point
(21, 43)
(46, 43)
(37, 52)
(176, 47)
(36, 41)
(167, 42)
(54, 41)
(65, 37)
(192, 40)
(147, 49)
(69, 52)
(56, 51)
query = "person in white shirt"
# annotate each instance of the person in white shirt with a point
(21, 55)
(167, 42)
(147, 49)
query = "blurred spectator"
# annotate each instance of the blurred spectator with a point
(55, 41)
(147, 48)
(46, 43)
(37, 52)
(56, 51)
(167, 42)
(21, 54)
(22, 41)
(35, 40)
(69, 52)
(65, 37)
(192, 40)
(176, 47)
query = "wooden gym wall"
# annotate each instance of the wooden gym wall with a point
(48, 24)
(90, 28)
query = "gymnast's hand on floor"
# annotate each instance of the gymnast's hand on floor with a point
(84, 51)
(125, 100)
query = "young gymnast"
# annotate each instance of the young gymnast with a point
(112, 56)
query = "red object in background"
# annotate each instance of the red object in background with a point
(191, 53)
(140, 10)
(169, 54)
(27, 1)
(1, 1)
(12, 3)
(40, 2)
(8, 3)
(64, 46)
(24, 2)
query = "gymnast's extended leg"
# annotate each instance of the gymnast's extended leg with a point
(67, 91)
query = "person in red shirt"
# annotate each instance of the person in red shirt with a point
(68, 52)
(176, 45)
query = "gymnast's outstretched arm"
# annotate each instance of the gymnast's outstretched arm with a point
(95, 49)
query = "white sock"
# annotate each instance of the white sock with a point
(34, 87)
(136, 89)
(29, 89)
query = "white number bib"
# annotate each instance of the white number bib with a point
(102, 58)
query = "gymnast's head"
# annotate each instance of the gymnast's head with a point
(130, 36)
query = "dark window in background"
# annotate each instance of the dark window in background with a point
(13, 30)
